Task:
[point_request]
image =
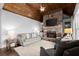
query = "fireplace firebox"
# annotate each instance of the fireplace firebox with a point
(51, 34)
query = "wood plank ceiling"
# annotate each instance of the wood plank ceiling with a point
(32, 10)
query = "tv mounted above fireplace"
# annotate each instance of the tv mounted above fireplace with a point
(51, 22)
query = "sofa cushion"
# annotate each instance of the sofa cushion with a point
(72, 52)
(63, 45)
(43, 52)
(51, 51)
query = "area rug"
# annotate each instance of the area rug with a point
(34, 49)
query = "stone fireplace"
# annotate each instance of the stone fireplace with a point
(51, 34)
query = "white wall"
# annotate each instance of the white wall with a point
(76, 11)
(76, 23)
(0, 28)
(19, 24)
(1, 6)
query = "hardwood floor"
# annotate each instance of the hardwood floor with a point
(5, 52)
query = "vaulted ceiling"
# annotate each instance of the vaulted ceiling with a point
(32, 10)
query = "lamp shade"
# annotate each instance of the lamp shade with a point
(68, 30)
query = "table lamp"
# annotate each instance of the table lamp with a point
(68, 30)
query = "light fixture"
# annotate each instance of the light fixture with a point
(68, 30)
(10, 31)
(11, 34)
(9, 27)
(42, 8)
(36, 30)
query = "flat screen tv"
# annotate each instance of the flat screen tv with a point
(51, 22)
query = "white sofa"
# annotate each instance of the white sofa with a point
(24, 40)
